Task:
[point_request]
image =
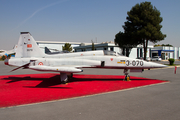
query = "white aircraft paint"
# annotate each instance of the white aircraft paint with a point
(29, 55)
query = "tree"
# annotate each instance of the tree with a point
(125, 42)
(67, 47)
(168, 45)
(157, 45)
(3, 57)
(143, 25)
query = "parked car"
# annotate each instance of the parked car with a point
(156, 58)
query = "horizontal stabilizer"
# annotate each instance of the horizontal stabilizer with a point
(23, 66)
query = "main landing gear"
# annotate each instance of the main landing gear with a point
(65, 77)
(127, 77)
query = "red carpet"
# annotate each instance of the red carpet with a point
(33, 88)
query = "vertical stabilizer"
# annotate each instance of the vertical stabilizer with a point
(27, 47)
(47, 50)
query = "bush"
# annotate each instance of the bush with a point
(171, 61)
(3, 57)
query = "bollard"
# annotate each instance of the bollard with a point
(175, 70)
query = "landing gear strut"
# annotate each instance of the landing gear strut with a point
(64, 78)
(70, 76)
(127, 77)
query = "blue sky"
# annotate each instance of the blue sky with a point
(78, 20)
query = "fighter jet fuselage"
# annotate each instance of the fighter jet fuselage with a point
(29, 55)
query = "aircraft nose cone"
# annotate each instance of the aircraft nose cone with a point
(164, 66)
(6, 61)
(156, 65)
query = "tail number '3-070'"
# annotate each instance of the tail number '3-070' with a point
(134, 63)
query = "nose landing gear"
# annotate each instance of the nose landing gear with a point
(127, 77)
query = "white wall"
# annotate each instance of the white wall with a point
(133, 53)
(117, 49)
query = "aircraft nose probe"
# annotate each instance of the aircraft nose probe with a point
(6, 61)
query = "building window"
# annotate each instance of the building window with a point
(105, 48)
(112, 49)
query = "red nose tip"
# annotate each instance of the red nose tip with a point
(6, 62)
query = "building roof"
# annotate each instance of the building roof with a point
(164, 50)
(97, 45)
(59, 42)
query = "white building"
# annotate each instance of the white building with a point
(138, 52)
(55, 46)
(135, 52)
(166, 52)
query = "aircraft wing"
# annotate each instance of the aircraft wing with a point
(65, 69)
(7, 53)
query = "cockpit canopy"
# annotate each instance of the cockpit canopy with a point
(111, 53)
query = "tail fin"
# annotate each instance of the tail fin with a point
(27, 47)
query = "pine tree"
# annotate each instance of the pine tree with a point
(143, 25)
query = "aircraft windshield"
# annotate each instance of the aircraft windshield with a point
(120, 54)
(111, 53)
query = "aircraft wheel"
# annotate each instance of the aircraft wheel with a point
(127, 78)
(65, 81)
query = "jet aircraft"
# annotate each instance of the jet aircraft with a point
(28, 55)
(8, 52)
